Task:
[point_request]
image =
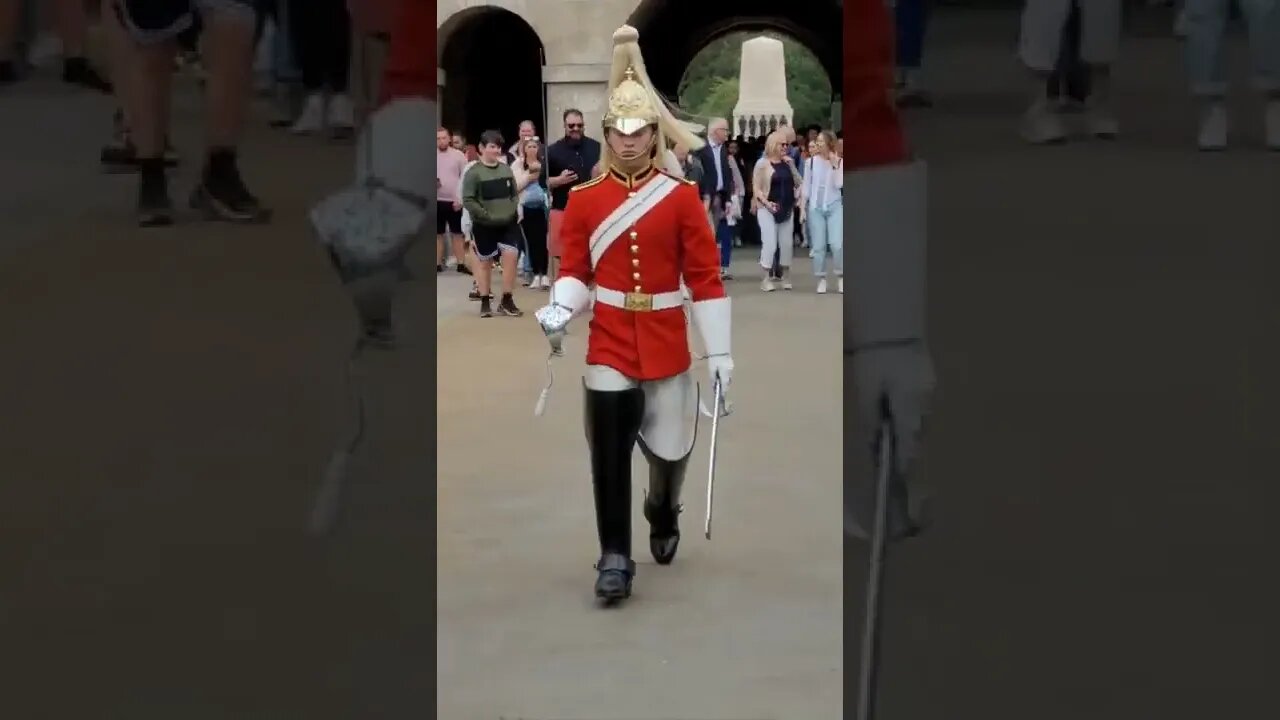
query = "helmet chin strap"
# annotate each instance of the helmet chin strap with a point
(637, 160)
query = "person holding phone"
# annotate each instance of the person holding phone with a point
(571, 160)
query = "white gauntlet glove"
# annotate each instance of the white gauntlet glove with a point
(712, 319)
(569, 296)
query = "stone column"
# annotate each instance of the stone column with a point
(584, 87)
(837, 112)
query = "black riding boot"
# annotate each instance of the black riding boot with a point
(613, 425)
(662, 504)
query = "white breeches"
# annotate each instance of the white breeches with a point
(670, 408)
(1042, 24)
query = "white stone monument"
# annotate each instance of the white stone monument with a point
(762, 89)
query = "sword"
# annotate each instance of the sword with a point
(711, 469)
(869, 672)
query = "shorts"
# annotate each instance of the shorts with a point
(157, 21)
(448, 219)
(489, 240)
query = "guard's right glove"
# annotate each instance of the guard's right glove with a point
(569, 296)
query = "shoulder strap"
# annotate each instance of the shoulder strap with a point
(628, 213)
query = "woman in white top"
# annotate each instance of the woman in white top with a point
(824, 183)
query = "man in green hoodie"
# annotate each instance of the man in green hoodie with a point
(489, 195)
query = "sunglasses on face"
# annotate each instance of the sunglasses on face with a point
(573, 126)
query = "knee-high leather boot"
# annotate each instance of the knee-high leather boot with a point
(662, 506)
(613, 425)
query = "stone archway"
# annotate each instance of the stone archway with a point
(672, 32)
(490, 71)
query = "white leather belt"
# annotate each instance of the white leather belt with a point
(639, 302)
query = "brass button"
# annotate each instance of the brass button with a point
(635, 276)
(631, 194)
(635, 262)
(634, 235)
(638, 288)
(635, 248)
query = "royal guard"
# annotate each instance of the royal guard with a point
(629, 236)
(886, 355)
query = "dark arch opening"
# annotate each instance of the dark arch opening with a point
(672, 32)
(492, 60)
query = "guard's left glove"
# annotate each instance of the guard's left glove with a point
(712, 319)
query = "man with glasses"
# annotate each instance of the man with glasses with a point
(570, 161)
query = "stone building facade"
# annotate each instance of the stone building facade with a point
(576, 45)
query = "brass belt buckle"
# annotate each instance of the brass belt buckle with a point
(638, 302)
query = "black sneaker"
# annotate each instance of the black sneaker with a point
(78, 71)
(222, 194)
(439, 268)
(463, 269)
(154, 207)
(475, 292)
(485, 310)
(508, 307)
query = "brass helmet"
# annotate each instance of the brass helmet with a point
(634, 104)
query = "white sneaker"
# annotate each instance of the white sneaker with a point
(1102, 124)
(341, 115)
(1213, 128)
(767, 285)
(1042, 126)
(786, 285)
(822, 286)
(311, 119)
(1273, 125)
(545, 283)
(840, 286)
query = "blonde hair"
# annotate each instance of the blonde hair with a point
(775, 143)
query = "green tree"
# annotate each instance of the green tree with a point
(710, 84)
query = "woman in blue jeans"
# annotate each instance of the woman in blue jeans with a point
(824, 183)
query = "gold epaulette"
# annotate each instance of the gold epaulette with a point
(593, 181)
(684, 180)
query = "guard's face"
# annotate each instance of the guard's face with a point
(629, 147)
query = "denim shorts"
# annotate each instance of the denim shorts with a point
(157, 21)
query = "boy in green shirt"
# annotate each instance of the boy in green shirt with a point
(490, 197)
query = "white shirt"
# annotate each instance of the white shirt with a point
(822, 182)
(716, 152)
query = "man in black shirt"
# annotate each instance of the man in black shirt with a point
(570, 160)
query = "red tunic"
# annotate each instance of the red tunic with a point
(871, 119)
(673, 239)
(411, 60)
